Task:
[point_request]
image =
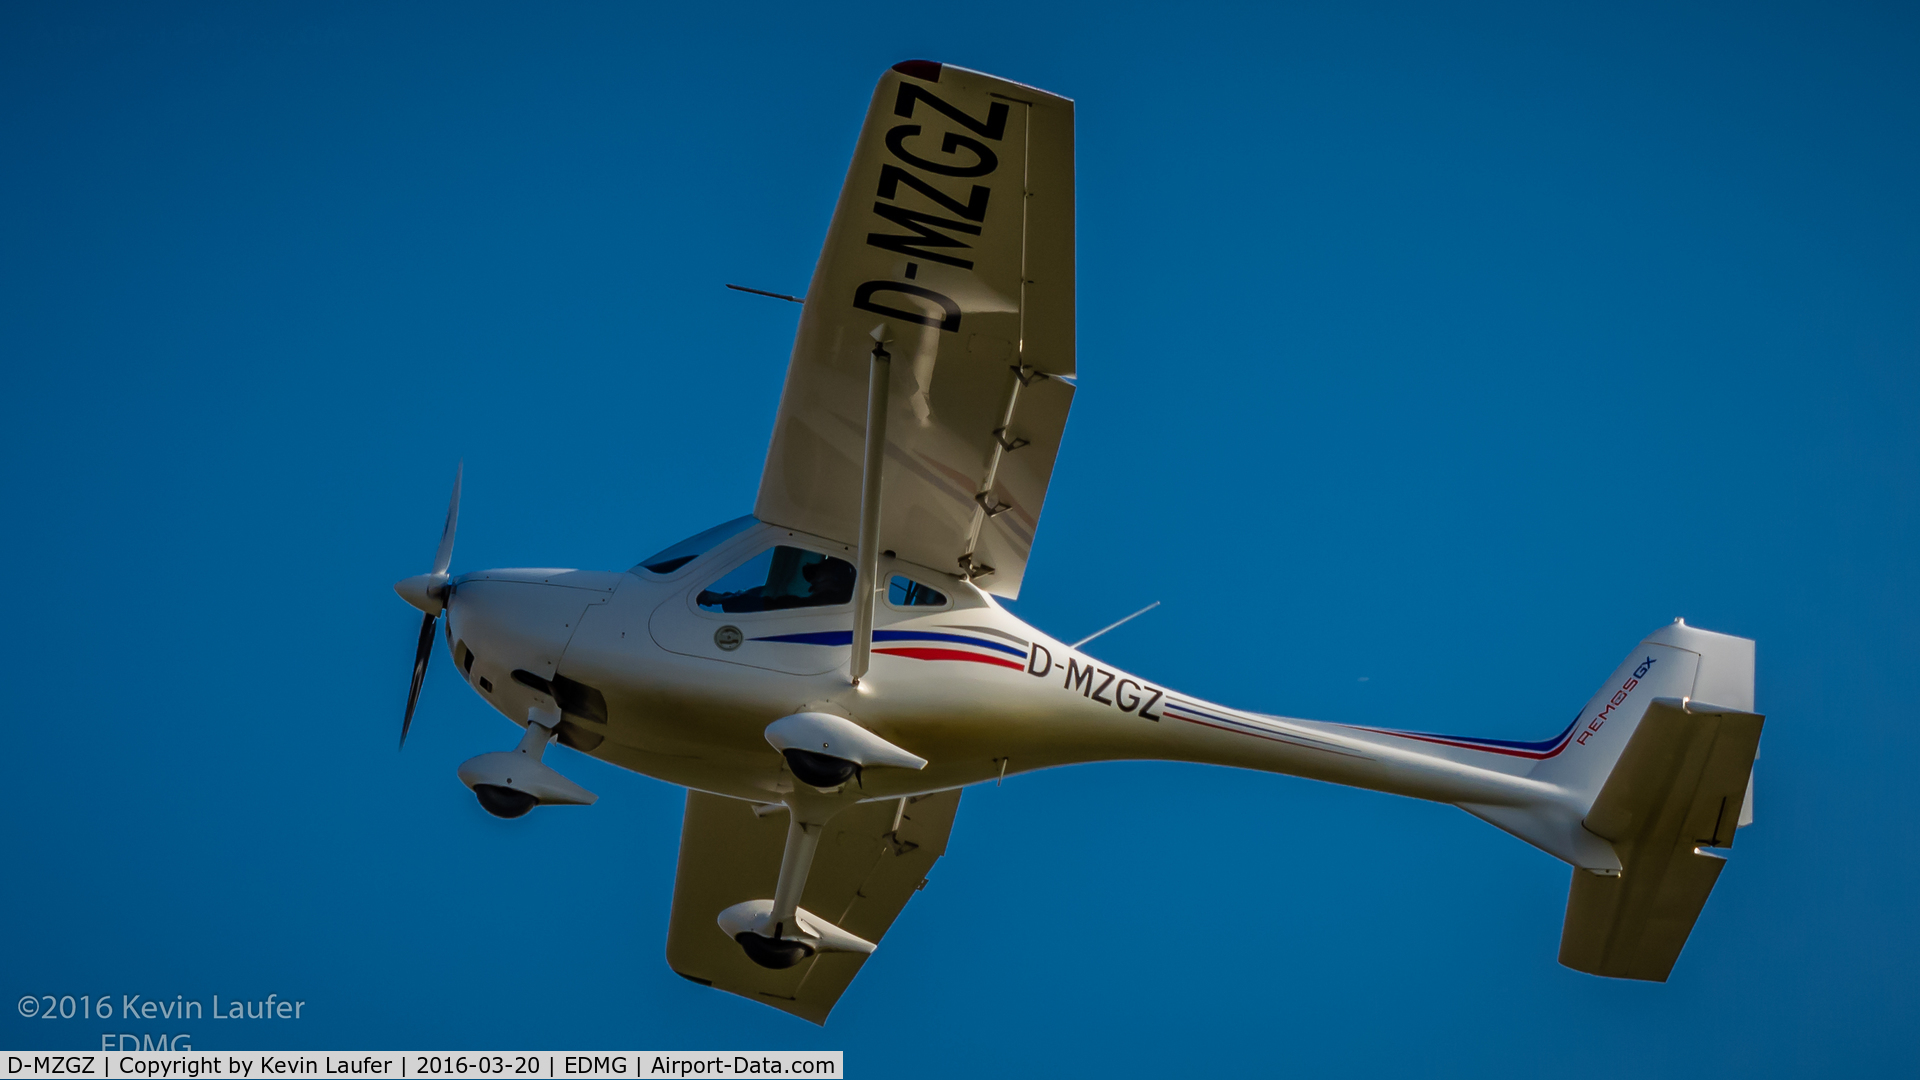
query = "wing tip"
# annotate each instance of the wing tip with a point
(920, 69)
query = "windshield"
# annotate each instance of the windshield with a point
(684, 552)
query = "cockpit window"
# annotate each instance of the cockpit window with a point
(906, 592)
(780, 578)
(684, 552)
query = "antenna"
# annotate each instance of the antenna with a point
(1104, 629)
(763, 292)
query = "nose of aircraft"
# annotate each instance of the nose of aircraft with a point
(506, 621)
(425, 591)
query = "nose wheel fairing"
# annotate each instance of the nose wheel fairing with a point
(509, 783)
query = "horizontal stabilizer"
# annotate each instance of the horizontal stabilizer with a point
(1680, 786)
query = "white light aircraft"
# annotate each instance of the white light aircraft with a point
(826, 675)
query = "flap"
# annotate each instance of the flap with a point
(954, 230)
(864, 872)
(1677, 789)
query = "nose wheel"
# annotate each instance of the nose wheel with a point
(504, 802)
(512, 782)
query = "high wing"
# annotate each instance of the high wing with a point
(871, 861)
(954, 231)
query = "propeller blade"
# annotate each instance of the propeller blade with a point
(420, 657)
(429, 593)
(444, 558)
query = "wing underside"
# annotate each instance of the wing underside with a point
(871, 861)
(954, 236)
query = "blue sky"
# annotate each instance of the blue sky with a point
(1429, 359)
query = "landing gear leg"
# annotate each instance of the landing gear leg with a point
(802, 840)
(540, 725)
(779, 933)
(767, 944)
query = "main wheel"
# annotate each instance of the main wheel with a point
(773, 953)
(820, 770)
(504, 802)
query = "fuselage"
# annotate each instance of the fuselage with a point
(653, 676)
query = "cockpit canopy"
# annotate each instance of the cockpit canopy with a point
(780, 578)
(673, 558)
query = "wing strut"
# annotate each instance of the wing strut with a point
(866, 589)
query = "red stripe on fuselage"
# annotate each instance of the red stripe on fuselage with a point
(951, 654)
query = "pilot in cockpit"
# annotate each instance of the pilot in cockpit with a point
(781, 578)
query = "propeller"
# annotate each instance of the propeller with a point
(429, 592)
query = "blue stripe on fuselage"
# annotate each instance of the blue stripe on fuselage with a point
(845, 637)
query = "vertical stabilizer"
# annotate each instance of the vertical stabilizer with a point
(1644, 791)
(1675, 661)
(1662, 760)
